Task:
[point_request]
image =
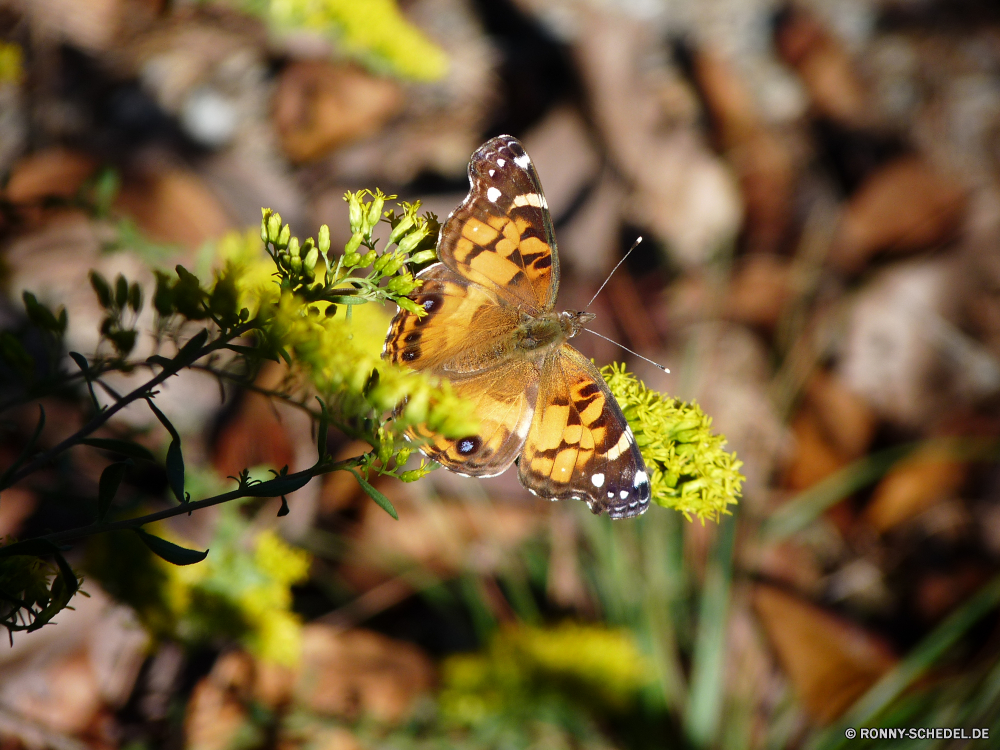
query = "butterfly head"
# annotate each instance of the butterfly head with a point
(573, 322)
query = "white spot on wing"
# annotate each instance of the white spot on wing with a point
(640, 478)
(623, 494)
(500, 162)
(529, 199)
(620, 447)
(493, 194)
(597, 480)
(492, 172)
(522, 161)
(611, 494)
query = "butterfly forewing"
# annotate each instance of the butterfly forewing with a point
(464, 329)
(579, 444)
(501, 236)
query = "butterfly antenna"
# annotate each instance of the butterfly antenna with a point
(624, 258)
(645, 359)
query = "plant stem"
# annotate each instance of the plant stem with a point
(240, 492)
(139, 393)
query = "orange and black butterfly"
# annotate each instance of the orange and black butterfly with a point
(492, 330)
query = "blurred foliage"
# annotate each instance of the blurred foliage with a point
(240, 593)
(374, 32)
(11, 63)
(689, 470)
(592, 667)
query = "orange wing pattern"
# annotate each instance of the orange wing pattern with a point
(579, 445)
(501, 236)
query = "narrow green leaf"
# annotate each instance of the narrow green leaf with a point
(806, 507)
(156, 359)
(124, 447)
(111, 479)
(381, 500)
(121, 292)
(277, 486)
(175, 469)
(172, 553)
(189, 350)
(81, 362)
(175, 459)
(101, 289)
(322, 430)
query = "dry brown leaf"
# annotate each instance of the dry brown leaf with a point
(174, 206)
(830, 661)
(815, 458)
(912, 487)
(906, 205)
(847, 420)
(823, 64)
(217, 711)
(320, 105)
(759, 290)
(53, 172)
(357, 673)
(761, 160)
(63, 697)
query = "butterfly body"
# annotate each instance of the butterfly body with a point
(490, 327)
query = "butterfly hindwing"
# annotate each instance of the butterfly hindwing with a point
(579, 444)
(503, 400)
(501, 236)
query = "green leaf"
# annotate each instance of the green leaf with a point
(190, 349)
(172, 553)
(281, 485)
(124, 447)
(121, 292)
(81, 362)
(175, 459)
(156, 359)
(381, 500)
(101, 289)
(322, 430)
(111, 479)
(175, 470)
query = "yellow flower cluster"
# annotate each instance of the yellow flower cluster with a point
(373, 30)
(589, 664)
(11, 63)
(241, 594)
(689, 469)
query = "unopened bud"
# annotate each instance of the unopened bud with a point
(273, 227)
(409, 243)
(424, 256)
(401, 228)
(355, 215)
(324, 239)
(293, 247)
(354, 243)
(311, 258)
(284, 235)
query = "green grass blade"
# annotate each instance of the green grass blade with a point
(704, 709)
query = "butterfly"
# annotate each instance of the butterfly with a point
(490, 328)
